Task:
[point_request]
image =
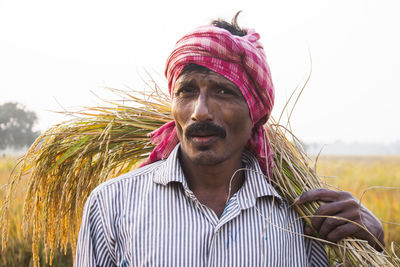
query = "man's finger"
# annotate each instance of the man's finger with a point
(327, 209)
(342, 231)
(330, 224)
(320, 194)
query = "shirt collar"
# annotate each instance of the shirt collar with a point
(255, 185)
(171, 170)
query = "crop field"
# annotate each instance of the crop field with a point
(19, 250)
(373, 179)
(376, 180)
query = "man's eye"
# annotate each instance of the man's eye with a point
(185, 91)
(224, 91)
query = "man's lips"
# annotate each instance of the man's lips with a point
(204, 140)
(203, 134)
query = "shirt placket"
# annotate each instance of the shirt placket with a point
(216, 253)
(232, 210)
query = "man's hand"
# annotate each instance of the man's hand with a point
(343, 205)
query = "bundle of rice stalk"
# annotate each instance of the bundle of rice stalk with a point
(293, 175)
(69, 160)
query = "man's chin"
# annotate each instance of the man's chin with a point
(203, 148)
(205, 157)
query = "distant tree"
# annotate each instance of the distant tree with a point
(16, 124)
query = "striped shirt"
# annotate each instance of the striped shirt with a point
(150, 217)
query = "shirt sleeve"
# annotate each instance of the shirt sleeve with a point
(316, 252)
(93, 247)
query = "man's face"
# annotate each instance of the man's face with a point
(212, 117)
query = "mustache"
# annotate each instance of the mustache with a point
(205, 127)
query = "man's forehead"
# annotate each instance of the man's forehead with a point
(194, 75)
(194, 67)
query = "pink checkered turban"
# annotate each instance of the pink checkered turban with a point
(239, 59)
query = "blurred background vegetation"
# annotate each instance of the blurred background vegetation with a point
(19, 248)
(16, 126)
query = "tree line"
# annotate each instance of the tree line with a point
(16, 126)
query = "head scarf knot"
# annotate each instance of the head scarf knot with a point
(240, 59)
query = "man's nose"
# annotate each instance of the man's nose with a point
(202, 111)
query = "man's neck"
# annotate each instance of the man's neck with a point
(213, 185)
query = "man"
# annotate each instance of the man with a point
(204, 197)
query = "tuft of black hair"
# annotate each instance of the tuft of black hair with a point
(233, 27)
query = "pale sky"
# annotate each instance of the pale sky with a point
(55, 53)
